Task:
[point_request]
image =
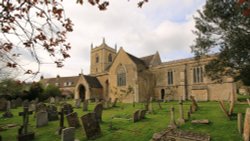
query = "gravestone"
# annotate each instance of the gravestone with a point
(13, 104)
(194, 103)
(231, 108)
(23, 134)
(159, 104)
(222, 106)
(172, 123)
(52, 100)
(136, 116)
(240, 122)
(68, 134)
(188, 116)
(98, 111)
(78, 103)
(181, 119)
(67, 108)
(19, 102)
(42, 119)
(52, 113)
(3, 104)
(32, 107)
(200, 121)
(248, 101)
(91, 125)
(7, 113)
(73, 120)
(142, 114)
(150, 106)
(115, 101)
(85, 105)
(61, 122)
(246, 130)
(57, 99)
(41, 107)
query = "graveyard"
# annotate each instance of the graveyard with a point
(123, 122)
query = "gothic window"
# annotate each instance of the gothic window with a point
(121, 76)
(97, 59)
(110, 58)
(197, 74)
(170, 78)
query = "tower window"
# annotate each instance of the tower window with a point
(110, 58)
(97, 59)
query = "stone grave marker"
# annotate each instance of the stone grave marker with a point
(222, 106)
(32, 106)
(200, 121)
(150, 106)
(240, 122)
(68, 134)
(91, 125)
(52, 100)
(248, 101)
(181, 119)
(172, 123)
(194, 103)
(61, 122)
(19, 102)
(142, 114)
(7, 113)
(78, 103)
(67, 108)
(115, 101)
(98, 111)
(52, 113)
(136, 116)
(13, 104)
(41, 107)
(246, 129)
(57, 99)
(23, 134)
(41, 119)
(85, 105)
(231, 108)
(73, 120)
(159, 104)
(3, 104)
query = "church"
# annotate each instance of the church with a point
(119, 74)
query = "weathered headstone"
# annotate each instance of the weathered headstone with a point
(201, 121)
(52, 113)
(142, 114)
(240, 122)
(248, 101)
(98, 111)
(13, 104)
(159, 104)
(41, 107)
(57, 99)
(3, 104)
(41, 119)
(68, 134)
(246, 130)
(67, 108)
(61, 122)
(19, 102)
(172, 123)
(52, 100)
(78, 103)
(73, 120)
(136, 116)
(91, 125)
(23, 134)
(7, 113)
(32, 107)
(222, 106)
(150, 106)
(181, 119)
(194, 103)
(85, 105)
(114, 103)
(231, 108)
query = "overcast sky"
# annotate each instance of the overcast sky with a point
(161, 25)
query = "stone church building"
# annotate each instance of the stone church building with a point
(118, 74)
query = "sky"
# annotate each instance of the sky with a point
(160, 25)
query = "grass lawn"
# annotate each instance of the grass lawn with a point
(124, 129)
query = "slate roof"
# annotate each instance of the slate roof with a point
(136, 60)
(93, 81)
(147, 59)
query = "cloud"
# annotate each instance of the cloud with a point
(161, 25)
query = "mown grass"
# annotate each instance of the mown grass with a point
(123, 128)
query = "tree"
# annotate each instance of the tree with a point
(36, 27)
(50, 91)
(36, 91)
(224, 27)
(11, 88)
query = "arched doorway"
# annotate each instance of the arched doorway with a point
(162, 94)
(81, 91)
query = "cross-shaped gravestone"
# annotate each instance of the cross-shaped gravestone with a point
(61, 124)
(23, 134)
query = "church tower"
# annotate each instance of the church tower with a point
(101, 58)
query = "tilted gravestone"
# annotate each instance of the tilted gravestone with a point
(240, 122)
(7, 113)
(194, 104)
(172, 123)
(3, 104)
(222, 106)
(98, 111)
(73, 120)
(23, 134)
(68, 134)
(19, 102)
(67, 108)
(52, 100)
(85, 105)
(78, 103)
(61, 122)
(32, 107)
(246, 129)
(41, 119)
(136, 116)
(142, 114)
(114, 103)
(91, 125)
(52, 113)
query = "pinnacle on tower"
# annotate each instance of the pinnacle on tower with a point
(103, 40)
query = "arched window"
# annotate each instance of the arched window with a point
(110, 58)
(121, 76)
(96, 58)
